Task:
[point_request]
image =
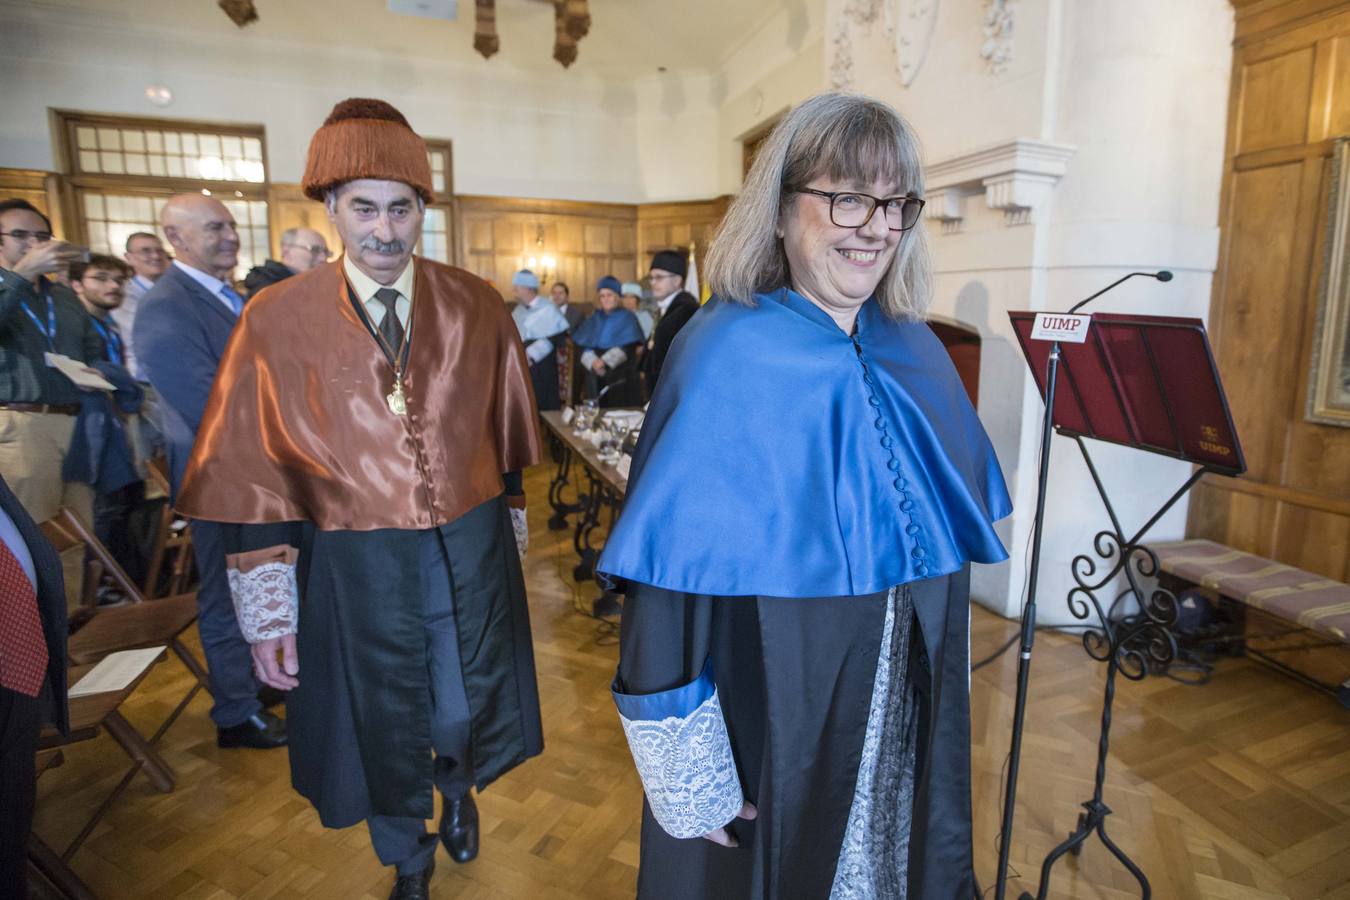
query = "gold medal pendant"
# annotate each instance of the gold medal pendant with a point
(398, 403)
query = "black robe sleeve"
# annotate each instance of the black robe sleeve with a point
(664, 639)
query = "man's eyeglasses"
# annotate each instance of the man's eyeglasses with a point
(19, 234)
(314, 249)
(850, 209)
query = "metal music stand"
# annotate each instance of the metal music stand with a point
(1149, 383)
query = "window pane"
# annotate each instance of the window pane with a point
(154, 142)
(189, 144)
(85, 138)
(253, 149)
(157, 166)
(98, 237)
(111, 162)
(231, 146)
(93, 206)
(175, 166)
(109, 139)
(171, 142)
(208, 144)
(133, 140)
(89, 161)
(136, 164)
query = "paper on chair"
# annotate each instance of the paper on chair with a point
(78, 372)
(116, 671)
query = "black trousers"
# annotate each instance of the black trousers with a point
(113, 527)
(19, 726)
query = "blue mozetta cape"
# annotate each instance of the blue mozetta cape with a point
(604, 330)
(782, 458)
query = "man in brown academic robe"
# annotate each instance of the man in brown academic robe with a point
(365, 437)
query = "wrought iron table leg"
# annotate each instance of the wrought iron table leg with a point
(560, 480)
(589, 521)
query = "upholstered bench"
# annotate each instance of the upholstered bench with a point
(1313, 602)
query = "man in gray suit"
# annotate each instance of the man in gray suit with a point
(181, 330)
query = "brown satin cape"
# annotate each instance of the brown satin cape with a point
(298, 429)
(298, 446)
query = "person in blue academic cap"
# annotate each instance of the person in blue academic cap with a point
(609, 340)
(542, 327)
(809, 490)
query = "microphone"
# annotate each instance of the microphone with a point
(1162, 275)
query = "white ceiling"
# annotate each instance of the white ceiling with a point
(627, 36)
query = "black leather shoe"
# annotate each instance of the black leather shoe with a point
(416, 886)
(459, 828)
(260, 731)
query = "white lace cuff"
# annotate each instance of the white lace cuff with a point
(683, 754)
(588, 358)
(522, 530)
(614, 357)
(264, 590)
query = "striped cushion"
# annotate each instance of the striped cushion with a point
(1312, 601)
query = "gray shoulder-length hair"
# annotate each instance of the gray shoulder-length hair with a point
(847, 138)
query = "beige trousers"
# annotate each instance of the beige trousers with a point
(32, 448)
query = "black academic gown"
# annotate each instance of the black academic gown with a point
(359, 723)
(622, 385)
(676, 316)
(795, 678)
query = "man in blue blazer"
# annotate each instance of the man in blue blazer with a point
(181, 329)
(32, 674)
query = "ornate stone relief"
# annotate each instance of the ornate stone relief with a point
(910, 25)
(853, 15)
(997, 49)
(1016, 177)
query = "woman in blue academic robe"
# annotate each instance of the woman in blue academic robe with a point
(810, 488)
(608, 343)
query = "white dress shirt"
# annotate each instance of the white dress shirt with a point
(366, 287)
(213, 285)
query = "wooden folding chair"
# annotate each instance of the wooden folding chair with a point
(141, 623)
(90, 715)
(172, 541)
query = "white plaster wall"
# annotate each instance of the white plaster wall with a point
(1140, 90)
(515, 133)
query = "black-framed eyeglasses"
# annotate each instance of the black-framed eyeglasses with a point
(19, 234)
(851, 209)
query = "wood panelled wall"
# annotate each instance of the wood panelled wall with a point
(42, 189)
(498, 235)
(1290, 97)
(288, 207)
(663, 226)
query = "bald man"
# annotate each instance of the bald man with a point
(301, 250)
(181, 330)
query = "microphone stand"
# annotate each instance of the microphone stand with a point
(1028, 636)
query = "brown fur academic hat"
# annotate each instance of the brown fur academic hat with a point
(366, 139)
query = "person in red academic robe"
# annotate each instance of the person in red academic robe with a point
(364, 440)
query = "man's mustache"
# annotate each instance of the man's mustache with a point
(379, 246)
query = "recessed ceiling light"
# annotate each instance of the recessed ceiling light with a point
(158, 94)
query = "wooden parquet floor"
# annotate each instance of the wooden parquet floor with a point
(1239, 789)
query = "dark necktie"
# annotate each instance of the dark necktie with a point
(23, 649)
(390, 326)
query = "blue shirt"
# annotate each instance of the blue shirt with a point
(9, 533)
(214, 286)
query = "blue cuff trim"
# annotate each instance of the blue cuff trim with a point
(676, 702)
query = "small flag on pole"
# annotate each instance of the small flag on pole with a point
(691, 283)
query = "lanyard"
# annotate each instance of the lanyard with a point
(111, 339)
(50, 331)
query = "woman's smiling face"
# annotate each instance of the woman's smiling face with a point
(837, 268)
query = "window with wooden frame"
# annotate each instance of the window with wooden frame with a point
(122, 169)
(436, 240)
